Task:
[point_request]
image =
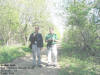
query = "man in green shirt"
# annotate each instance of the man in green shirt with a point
(51, 39)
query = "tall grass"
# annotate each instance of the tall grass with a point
(9, 53)
(78, 62)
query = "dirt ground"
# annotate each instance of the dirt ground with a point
(24, 66)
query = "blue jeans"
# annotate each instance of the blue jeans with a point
(36, 54)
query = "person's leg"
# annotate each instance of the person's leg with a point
(49, 55)
(54, 51)
(34, 54)
(39, 56)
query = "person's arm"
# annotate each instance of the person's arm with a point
(41, 41)
(30, 38)
(55, 38)
(46, 39)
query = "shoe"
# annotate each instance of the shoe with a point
(55, 65)
(49, 64)
(33, 66)
(40, 66)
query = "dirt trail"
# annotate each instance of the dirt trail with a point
(27, 62)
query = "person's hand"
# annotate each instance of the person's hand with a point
(58, 41)
(41, 48)
(51, 39)
(34, 34)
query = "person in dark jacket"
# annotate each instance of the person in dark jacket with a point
(36, 40)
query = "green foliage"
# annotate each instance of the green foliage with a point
(7, 54)
(9, 21)
(78, 13)
(18, 20)
(81, 42)
(76, 62)
(82, 33)
(97, 4)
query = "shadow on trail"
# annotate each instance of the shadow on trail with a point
(24, 66)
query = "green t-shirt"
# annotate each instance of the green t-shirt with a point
(51, 36)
